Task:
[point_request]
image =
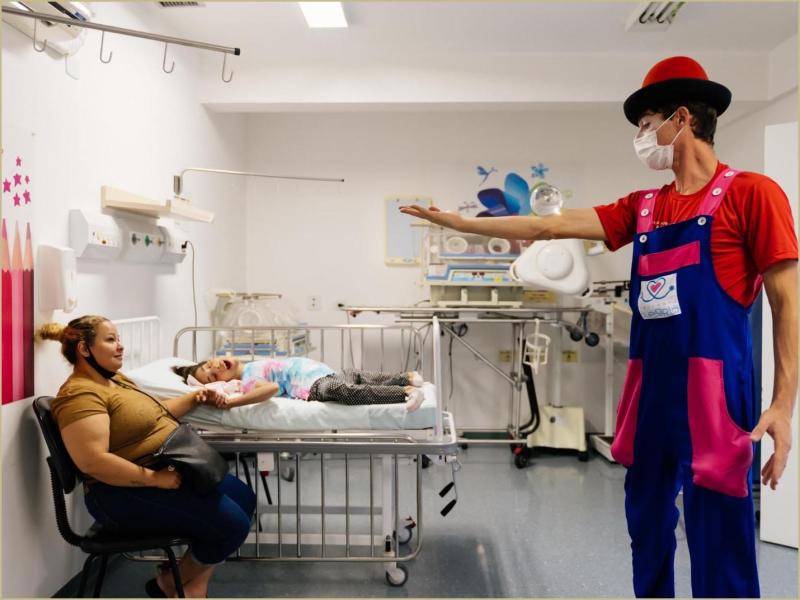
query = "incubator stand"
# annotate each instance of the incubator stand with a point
(469, 270)
(564, 427)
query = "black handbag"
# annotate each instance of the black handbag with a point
(199, 464)
(186, 452)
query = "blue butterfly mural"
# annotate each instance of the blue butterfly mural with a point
(539, 171)
(485, 174)
(513, 199)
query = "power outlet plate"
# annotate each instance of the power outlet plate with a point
(314, 302)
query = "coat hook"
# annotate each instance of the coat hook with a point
(35, 45)
(110, 54)
(164, 64)
(224, 61)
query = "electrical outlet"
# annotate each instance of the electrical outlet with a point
(505, 356)
(569, 356)
(314, 302)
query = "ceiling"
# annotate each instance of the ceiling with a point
(275, 32)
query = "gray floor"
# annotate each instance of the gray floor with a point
(556, 528)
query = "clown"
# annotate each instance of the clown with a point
(703, 246)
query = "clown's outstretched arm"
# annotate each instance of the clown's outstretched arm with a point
(581, 223)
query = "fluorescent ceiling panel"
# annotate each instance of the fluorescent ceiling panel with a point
(323, 14)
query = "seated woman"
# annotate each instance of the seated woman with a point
(305, 379)
(111, 430)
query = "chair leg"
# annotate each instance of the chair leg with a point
(85, 575)
(246, 470)
(176, 574)
(100, 576)
(266, 488)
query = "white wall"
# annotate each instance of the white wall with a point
(334, 233)
(129, 125)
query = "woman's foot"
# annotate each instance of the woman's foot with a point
(414, 398)
(415, 379)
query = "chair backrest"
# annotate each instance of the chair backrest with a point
(61, 463)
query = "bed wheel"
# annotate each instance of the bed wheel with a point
(397, 576)
(583, 456)
(287, 474)
(521, 460)
(406, 533)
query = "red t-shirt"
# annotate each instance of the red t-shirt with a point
(752, 229)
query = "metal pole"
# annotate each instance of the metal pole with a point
(177, 180)
(119, 30)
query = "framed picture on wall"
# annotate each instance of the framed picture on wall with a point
(403, 241)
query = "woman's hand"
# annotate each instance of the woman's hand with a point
(166, 479)
(207, 396)
(435, 216)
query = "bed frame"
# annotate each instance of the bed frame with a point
(344, 481)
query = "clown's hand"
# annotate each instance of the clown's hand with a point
(778, 424)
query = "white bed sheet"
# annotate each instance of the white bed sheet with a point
(287, 414)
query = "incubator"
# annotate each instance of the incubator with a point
(473, 270)
(243, 310)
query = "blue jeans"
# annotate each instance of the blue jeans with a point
(217, 523)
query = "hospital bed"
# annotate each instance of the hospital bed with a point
(357, 468)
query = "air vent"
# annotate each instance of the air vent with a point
(653, 16)
(180, 4)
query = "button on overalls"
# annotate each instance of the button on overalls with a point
(687, 406)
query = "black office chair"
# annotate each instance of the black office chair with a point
(97, 542)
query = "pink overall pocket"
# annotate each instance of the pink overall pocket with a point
(721, 450)
(627, 411)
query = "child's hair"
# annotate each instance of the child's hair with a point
(184, 372)
(82, 329)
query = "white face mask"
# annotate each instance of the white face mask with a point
(651, 153)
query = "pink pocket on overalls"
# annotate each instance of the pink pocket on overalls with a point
(622, 447)
(722, 452)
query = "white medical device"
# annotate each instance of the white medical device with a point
(557, 265)
(469, 270)
(57, 275)
(537, 346)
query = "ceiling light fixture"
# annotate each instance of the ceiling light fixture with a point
(323, 14)
(653, 16)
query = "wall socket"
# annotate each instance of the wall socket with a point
(569, 356)
(505, 356)
(314, 302)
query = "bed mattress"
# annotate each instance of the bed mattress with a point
(286, 414)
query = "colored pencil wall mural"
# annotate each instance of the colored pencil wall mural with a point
(17, 280)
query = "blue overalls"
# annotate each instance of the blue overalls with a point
(687, 406)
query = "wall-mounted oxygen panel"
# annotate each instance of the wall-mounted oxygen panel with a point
(94, 235)
(144, 242)
(106, 237)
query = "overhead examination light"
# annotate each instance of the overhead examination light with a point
(323, 14)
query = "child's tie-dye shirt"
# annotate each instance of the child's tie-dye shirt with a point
(294, 376)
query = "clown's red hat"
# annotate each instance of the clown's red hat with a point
(679, 79)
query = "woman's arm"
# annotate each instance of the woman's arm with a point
(181, 405)
(264, 390)
(87, 443)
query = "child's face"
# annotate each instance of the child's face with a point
(217, 369)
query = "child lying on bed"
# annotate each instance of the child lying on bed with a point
(304, 379)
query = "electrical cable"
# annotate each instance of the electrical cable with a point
(194, 298)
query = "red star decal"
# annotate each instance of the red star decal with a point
(17, 179)
(27, 195)
(27, 179)
(6, 185)
(16, 199)
(19, 161)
